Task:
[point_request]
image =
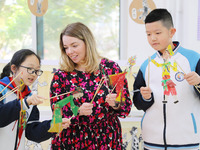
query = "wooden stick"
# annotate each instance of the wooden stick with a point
(109, 91)
(71, 117)
(107, 85)
(98, 88)
(114, 88)
(7, 94)
(196, 86)
(179, 66)
(148, 71)
(13, 89)
(102, 79)
(62, 94)
(11, 82)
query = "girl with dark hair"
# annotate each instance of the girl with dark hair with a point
(24, 65)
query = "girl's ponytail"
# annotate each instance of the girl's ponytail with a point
(6, 71)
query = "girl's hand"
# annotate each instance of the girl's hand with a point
(85, 109)
(146, 92)
(35, 99)
(110, 99)
(65, 123)
(192, 78)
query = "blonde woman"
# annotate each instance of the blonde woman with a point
(97, 125)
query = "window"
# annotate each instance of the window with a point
(16, 31)
(15, 27)
(102, 17)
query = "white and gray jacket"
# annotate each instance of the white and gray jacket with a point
(170, 126)
(9, 114)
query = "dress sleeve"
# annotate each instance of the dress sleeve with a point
(35, 130)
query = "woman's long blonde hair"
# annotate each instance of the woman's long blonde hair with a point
(82, 32)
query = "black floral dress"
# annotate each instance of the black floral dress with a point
(100, 130)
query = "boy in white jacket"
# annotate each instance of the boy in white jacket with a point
(168, 125)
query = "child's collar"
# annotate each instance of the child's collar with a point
(25, 91)
(6, 80)
(176, 47)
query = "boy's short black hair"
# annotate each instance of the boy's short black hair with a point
(160, 15)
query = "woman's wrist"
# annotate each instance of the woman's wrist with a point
(116, 107)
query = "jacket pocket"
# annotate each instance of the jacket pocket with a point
(142, 119)
(194, 123)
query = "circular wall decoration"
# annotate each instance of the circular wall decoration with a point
(38, 7)
(139, 9)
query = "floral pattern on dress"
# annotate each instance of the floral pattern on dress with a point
(102, 129)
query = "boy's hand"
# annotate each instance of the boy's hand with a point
(65, 123)
(85, 109)
(146, 92)
(35, 99)
(192, 78)
(110, 99)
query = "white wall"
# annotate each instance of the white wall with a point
(185, 17)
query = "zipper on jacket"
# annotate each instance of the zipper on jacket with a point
(164, 129)
(16, 140)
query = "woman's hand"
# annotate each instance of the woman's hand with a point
(85, 109)
(110, 99)
(65, 123)
(35, 99)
